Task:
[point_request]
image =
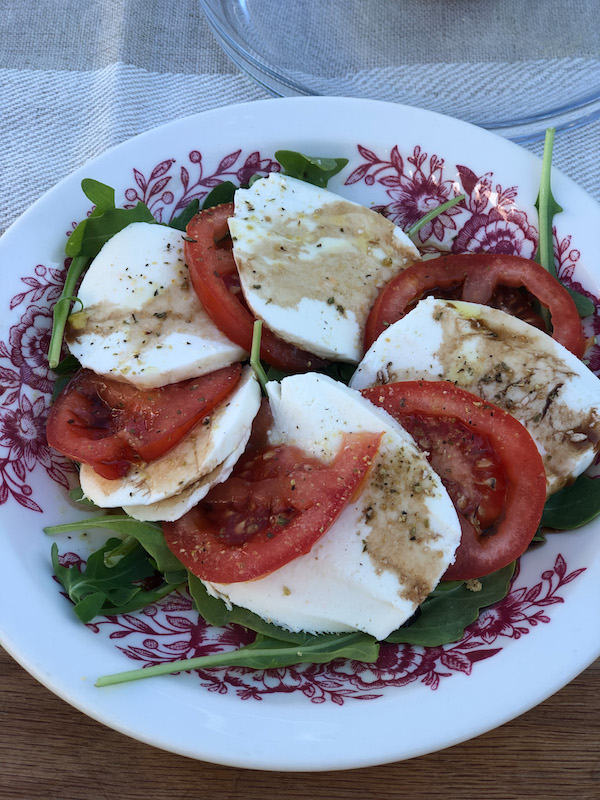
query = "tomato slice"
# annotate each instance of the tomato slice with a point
(487, 461)
(209, 255)
(488, 278)
(277, 503)
(111, 425)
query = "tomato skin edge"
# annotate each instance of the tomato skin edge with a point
(226, 311)
(192, 541)
(480, 274)
(127, 435)
(526, 491)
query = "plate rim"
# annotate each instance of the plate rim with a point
(32, 210)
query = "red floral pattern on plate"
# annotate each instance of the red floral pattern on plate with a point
(487, 219)
(171, 630)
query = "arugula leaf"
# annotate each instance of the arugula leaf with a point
(274, 374)
(311, 169)
(547, 208)
(98, 229)
(68, 366)
(101, 195)
(255, 361)
(84, 243)
(61, 310)
(448, 610)
(222, 193)
(585, 306)
(338, 370)
(216, 613)
(181, 221)
(64, 371)
(77, 496)
(573, 506)
(148, 534)
(266, 653)
(101, 589)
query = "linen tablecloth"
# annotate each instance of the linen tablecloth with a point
(77, 78)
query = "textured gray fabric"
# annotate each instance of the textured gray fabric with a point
(156, 35)
(77, 78)
(52, 122)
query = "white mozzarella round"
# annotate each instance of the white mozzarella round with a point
(390, 546)
(312, 263)
(175, 506)
(166, 488)
(141, 320)
(505, 361)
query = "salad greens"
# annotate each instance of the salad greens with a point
(223, 193)
(215, 612)
(64, 371)
(148, 534)
(87, 240)
(451, 607)
(180, 222)
(266, 653)
(136, 569)
(111, 584)
(313, 170)
(255, 361)
(115, 589)
(117, 567)
(92, 233)
(573, 506)
(547, 208)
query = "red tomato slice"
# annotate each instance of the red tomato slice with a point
(487, 461)
(209, 256)
(278, 502)
(480, 278)
(111, 425)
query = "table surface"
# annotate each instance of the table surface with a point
(52, 751)
(59, 72)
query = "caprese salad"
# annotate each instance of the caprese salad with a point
(319, 507)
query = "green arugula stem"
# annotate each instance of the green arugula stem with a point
(229, 659)
(117, 522)
(265, 653)
(315, 170)
(127, 546)
(255, 355)
(435, 212)
(547, 207)
(545, 211)
(63, 307)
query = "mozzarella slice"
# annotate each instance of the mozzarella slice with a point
(311, 263)
(505, 361)
(141, 320)
(174, 507)
(389, 547)
(166, 488)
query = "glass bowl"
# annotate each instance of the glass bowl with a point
(515, 68)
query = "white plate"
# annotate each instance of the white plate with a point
(311, 718)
